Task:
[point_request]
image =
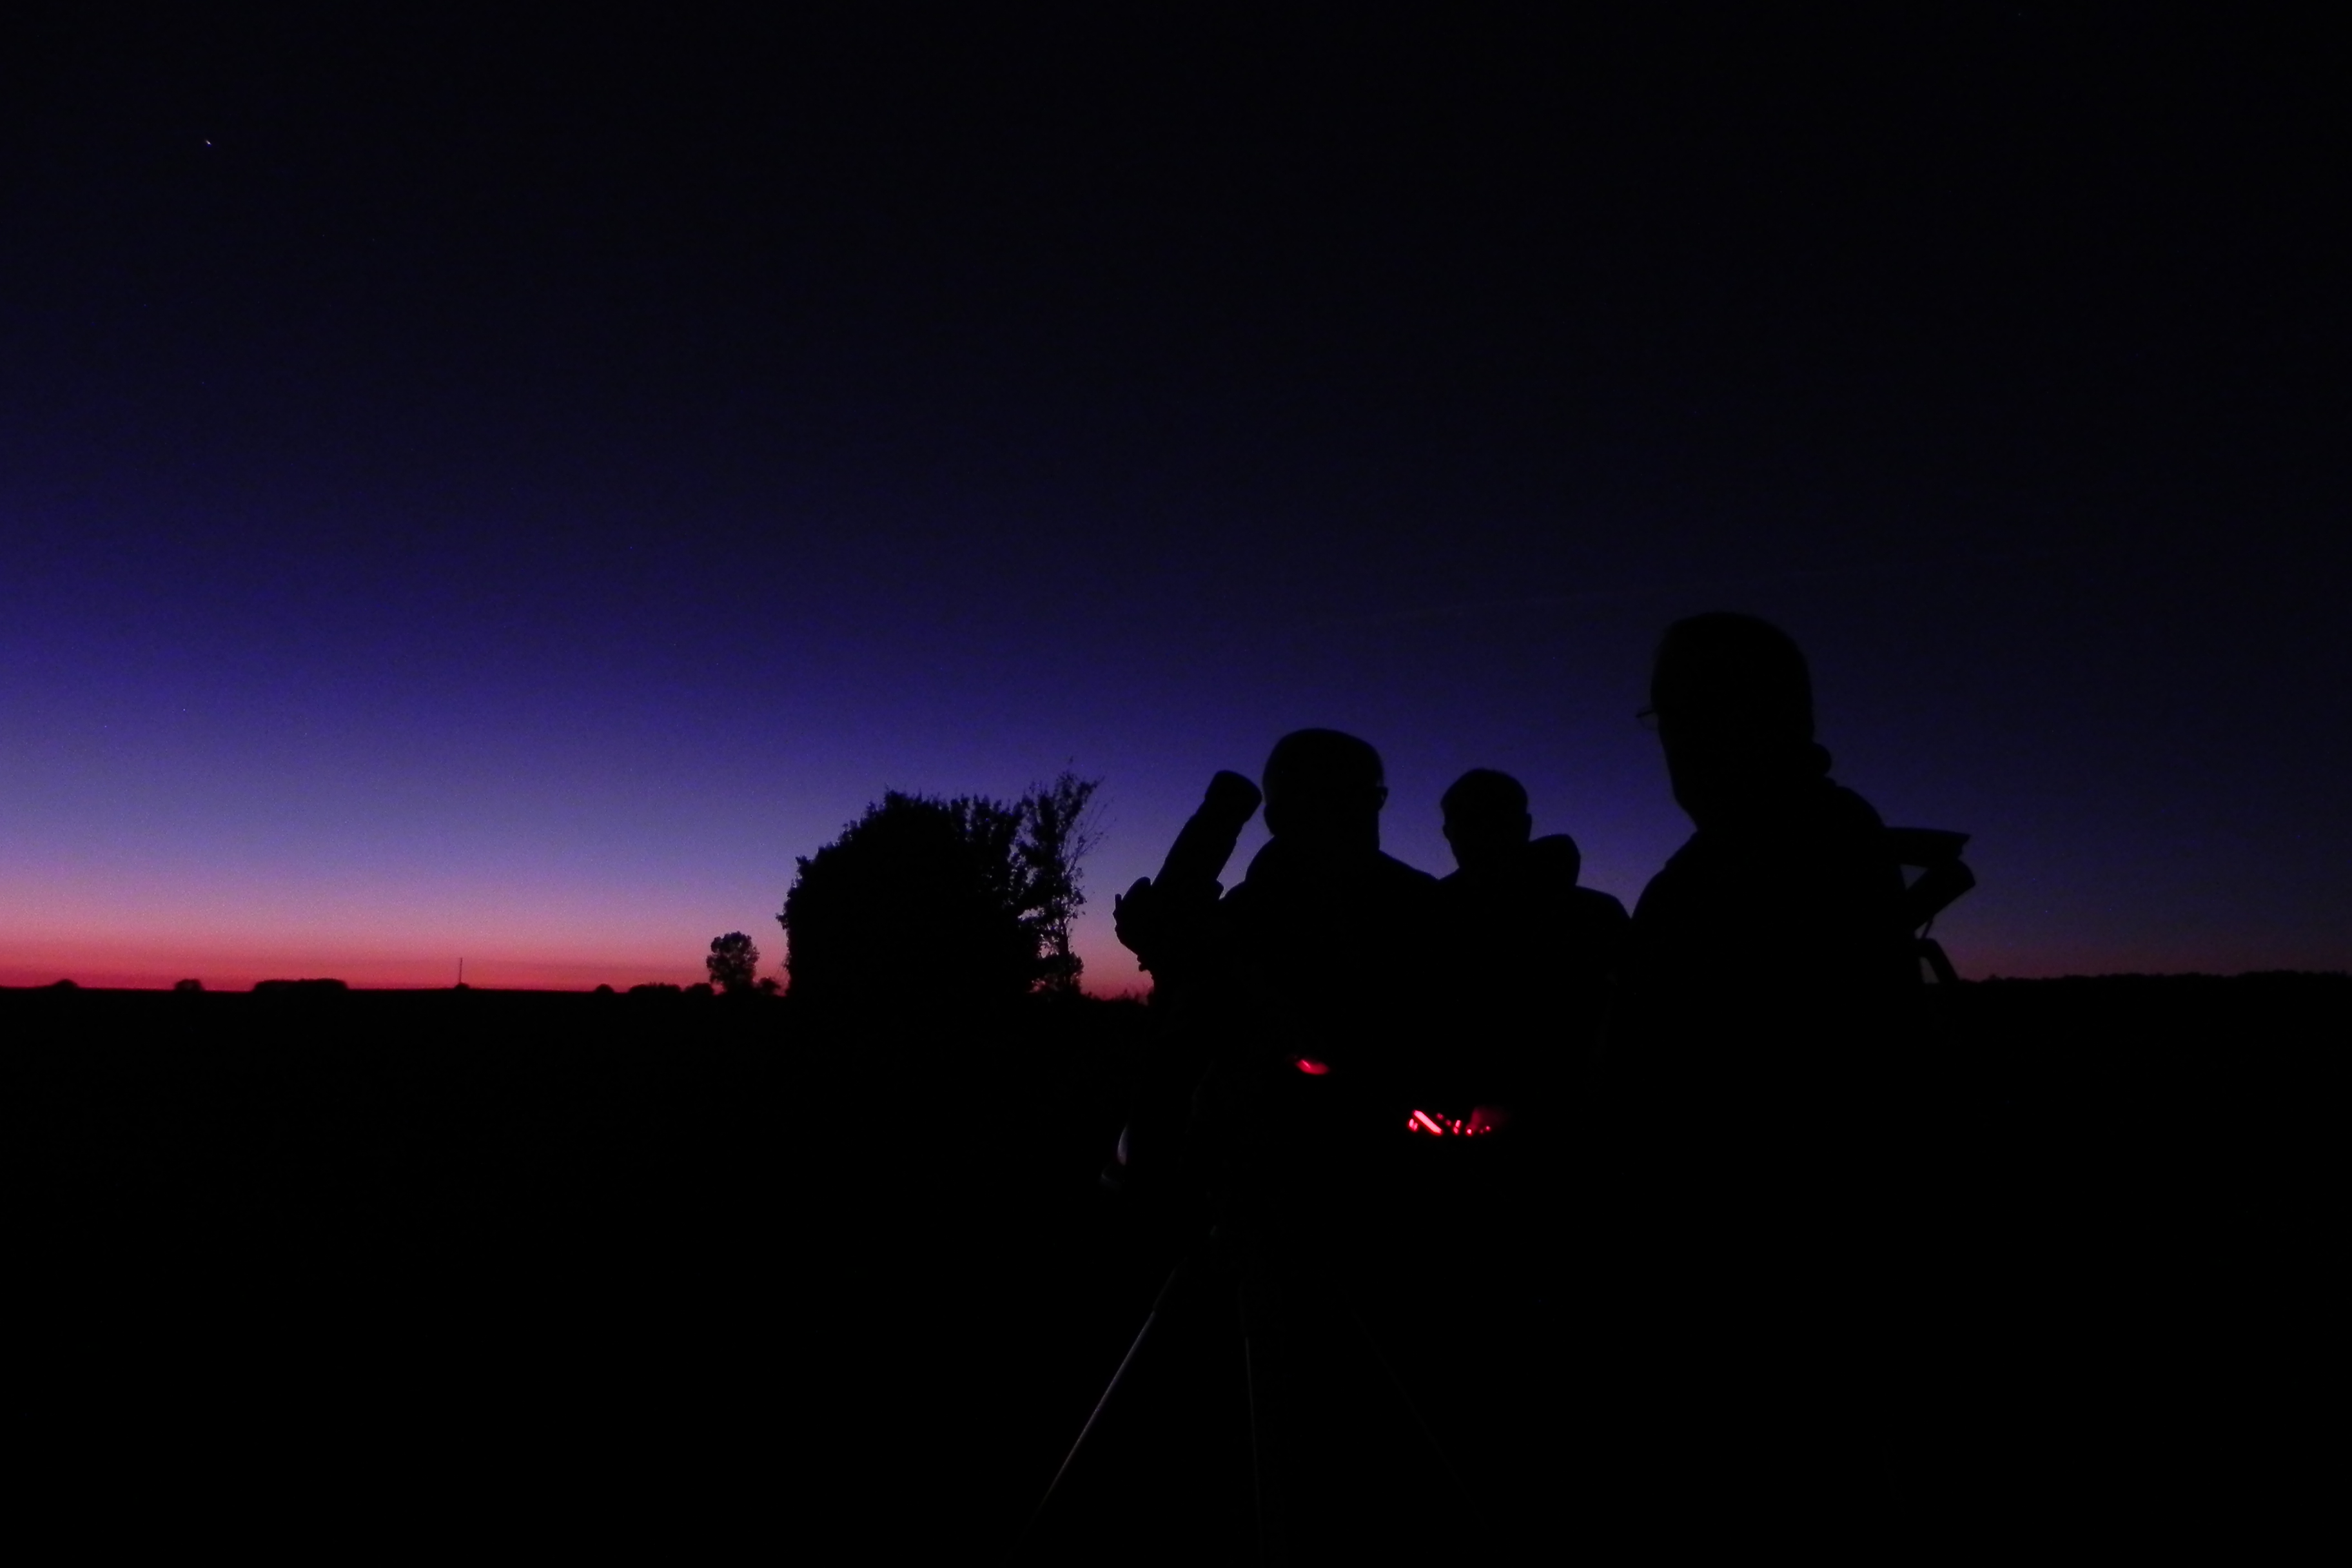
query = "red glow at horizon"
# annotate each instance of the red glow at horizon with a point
(1312, 1068)
(155, 966)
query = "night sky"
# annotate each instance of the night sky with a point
(492, 485)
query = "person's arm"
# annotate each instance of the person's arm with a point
(1159, 919)
(1166, 924)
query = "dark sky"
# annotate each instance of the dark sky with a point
(501, 484)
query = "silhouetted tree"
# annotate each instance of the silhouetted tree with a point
(1059, 829)
(906, 896)
(968, 898)
(734, 964)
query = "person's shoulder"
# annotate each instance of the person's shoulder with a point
(1689, 862)
(1821, 823)
(1266, 868)
(1843, 810)
(1552, 861)
(1848, 831)
(1592, 904)
(1391, 869)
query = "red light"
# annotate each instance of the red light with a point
(1484, 1119)
(1312, 1068)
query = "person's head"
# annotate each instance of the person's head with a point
(1325, 790)
(1734, 707)
(1487, 818)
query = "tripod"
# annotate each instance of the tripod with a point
(1332, 1454)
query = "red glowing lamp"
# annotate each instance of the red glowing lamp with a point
(1483, 1120)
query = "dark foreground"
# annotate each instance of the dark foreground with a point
(543, 1271)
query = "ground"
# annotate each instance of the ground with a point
(550, 1266)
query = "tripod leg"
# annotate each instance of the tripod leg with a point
(1437, 1446)
(1168, 1292)
(1268, 1429)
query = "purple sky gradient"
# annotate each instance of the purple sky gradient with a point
(469, 492)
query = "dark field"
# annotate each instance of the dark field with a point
(553, 1270)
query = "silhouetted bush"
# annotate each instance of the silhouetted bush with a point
(943, 901)
(185, 986)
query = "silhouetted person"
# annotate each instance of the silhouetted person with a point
(1771, 955)
(1757, 1065)
(1321, 954)
(1533, 955)
(1303, 1032)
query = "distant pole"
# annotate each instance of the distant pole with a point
(461, 972)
